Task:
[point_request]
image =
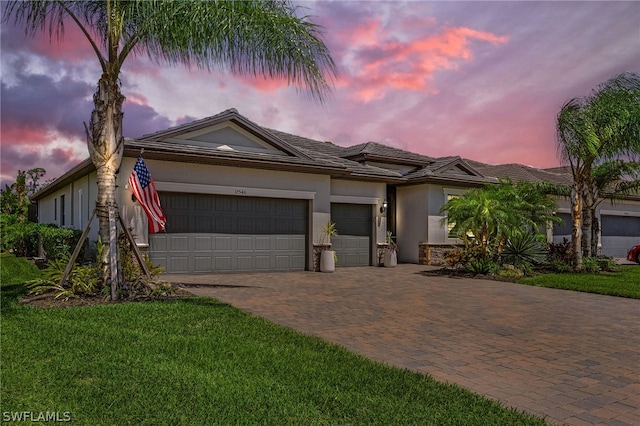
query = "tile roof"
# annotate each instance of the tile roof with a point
(519, 172)
(378, 151)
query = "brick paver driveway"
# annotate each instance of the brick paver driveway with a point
(569, 356)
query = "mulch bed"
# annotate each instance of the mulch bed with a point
(454, 273)
(48, 300)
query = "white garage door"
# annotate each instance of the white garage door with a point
(219, 233)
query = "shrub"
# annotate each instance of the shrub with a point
(561, 251)
(607, 264)
(524, 250)
(83, 280)
(598, 264)
(460, 258)
(510, 271)
(560, 266)
(481, 266)
(59, 243)
(19, 237)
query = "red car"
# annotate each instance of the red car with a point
(633, 254)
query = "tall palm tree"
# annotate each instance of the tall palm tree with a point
(604, 126)
(248, 37)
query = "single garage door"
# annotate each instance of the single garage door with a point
(221, 233)
(353, 243)
(619, 234)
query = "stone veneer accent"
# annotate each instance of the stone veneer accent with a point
(433, 254)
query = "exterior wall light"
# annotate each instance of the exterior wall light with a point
(383, 209)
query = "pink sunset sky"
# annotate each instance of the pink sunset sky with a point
(482, 80)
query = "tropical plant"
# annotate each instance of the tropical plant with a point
(391, 244)
(604, 126)
(522, 249)
(83, 280)
(328, 231)
(486, 217)
(481, 266)
(248, 37)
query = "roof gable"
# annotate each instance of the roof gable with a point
(228, 131)
(454, 166)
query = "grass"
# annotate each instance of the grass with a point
(198, 361)
(624, 283)
(14, 271)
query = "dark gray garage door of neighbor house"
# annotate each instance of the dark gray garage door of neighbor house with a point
(222, 233)
(619, 234)
(353, 243)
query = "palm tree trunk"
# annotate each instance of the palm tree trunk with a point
(586, 232)
(576, 231)
(106, 146)
(595, 232)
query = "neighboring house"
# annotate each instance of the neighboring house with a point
(241, 197)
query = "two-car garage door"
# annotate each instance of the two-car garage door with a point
(222, 233)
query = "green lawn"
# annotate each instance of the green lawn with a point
(199, 362)
(625, 282)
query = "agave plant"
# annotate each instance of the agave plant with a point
(524, 248)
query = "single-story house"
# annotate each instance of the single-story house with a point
(241, 197)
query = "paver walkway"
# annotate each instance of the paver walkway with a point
(572, 357)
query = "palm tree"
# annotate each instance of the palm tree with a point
(248, 37)
(487, 217)
(590, 131)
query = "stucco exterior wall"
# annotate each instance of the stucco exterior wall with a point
(419, 219)
(411, 220)
(79, 202)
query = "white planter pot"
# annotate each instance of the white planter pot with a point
(390, 258)
(327, 261)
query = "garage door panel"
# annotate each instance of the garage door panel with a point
(298, 243)
(203, 264)
(223, 242)
(179, 264)
(159, 242)
(244, 243)
(178, 243)
(262, 242)
(262, 263)
(203, 243)
(244, 263)
(222, 264)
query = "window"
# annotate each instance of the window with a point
(80, 202)
(451, 225)
(55, 209)
(62, 221)
(564, 228)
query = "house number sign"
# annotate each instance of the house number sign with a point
(241, 192)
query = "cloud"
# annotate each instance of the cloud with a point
(376, 58)
(37, 101)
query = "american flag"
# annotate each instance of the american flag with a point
(145, 192)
